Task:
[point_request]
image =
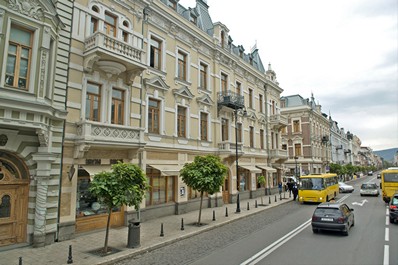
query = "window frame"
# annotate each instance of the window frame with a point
(251, 136)
(224, 82)
(115, 115)
(154, 116)
(261, 138)
(204, 126)
(108, 26)
(99, 101)
(251, 98)
(182, 65)
(224, 129)
(203, 76)
(155, 59)
(296, 126)
(181, 121)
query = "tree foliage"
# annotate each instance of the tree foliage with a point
(204, 174)
(126, 184)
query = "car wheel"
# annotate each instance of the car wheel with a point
(353, 222)
(315, 231)
(346, 231)
(392, 220)
(341, 190)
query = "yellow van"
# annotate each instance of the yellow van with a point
(318, 187)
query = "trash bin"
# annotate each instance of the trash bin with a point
(133, 238)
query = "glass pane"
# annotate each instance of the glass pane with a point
(11, 64)
(117, 94)
(88, 107)
(5, 207)
(20, 36)
(25, 53)
(12, 49)
(23, 69)
(110, 19)
(170, 188)
(22, 83)
(91, 88)
(162, 190)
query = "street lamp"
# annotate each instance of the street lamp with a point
(236, 157)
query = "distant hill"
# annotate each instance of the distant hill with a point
(387, 154)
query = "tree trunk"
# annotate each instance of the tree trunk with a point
(200, 208)
(107, 230)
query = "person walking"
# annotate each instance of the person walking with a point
(280, 187)
(295, 191)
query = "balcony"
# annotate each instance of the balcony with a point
(100, 134)
(278, 155)
(229, 149)
(230, 100)
(101, 47)
(278, 121)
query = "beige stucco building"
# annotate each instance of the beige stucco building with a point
(156, 84)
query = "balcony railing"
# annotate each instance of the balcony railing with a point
(230, 99)
(109, 134)
(278, 121)
(278, 153)
(229, 147)
(112, 47)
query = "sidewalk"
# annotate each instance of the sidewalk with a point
(58, 253)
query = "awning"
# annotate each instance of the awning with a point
(264, 167)
(95, 169)
(252, 169)
(168, 170)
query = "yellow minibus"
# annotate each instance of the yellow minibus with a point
(318, 187)
(389, 183)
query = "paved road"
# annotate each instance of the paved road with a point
(283, 235)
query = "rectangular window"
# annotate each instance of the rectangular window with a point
(239, 132)
(125, 36)
(93, 102)
(117, 111)
(162, 188)
(110, 24)
(250, 98)
(153, 116)
(296, 126)
(155, 53)
(18, 58)
(297, 149)
(192, 19)
(260, 102)
(181, 121)
(182, 66)
(224, 129)
(251, 137)
(261, 138)
(283, 130)
(93, 25)
(224, 82)
(284, 146)
(203, 76)
(238, 88)
(203, 126)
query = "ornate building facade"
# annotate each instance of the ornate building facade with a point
(34, 55)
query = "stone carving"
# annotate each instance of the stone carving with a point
(43, 137)
(30, 8)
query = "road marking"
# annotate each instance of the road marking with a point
(268, 250)
(387, 234)
(387, 211)
(387, 220)
(386, 260)
(360, 203)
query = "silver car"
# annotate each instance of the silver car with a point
(369, 188)
(345, 187)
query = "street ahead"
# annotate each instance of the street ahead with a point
(283, 235)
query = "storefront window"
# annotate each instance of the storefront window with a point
(86, 203)
(244, 181)
(162, 188)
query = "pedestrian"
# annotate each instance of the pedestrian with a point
(289, 187)
(295, 191)
(280, 187)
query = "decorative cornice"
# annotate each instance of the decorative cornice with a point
(30, 8)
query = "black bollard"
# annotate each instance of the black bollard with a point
(70, 259)
(20, 260)
(237, 204)
(182, 224)
(214, 215)
(248, 206)
(275, 199)
(290, 194)
(161, 230)
(269, 200)
(255, 204)
(226, 211)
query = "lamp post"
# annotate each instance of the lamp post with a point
(236, 160)
(296, 171)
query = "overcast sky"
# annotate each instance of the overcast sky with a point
(345, 52)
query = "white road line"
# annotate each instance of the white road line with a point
(386, 260)
(387, 220)
(387, 211)
(387, 235)
(268, 250)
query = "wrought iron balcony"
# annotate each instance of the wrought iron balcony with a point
(230, 100)
(100, 46)
(109, 134)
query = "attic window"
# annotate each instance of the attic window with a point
(193, 19)
(126, 23)
(172, 4)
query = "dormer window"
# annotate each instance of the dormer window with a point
(172, 4)
(193, 19)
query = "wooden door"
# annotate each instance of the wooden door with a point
(13, 214)
(225, 190)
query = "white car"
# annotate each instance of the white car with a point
(369, 188)
(345, 187)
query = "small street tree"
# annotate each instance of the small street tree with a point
(204, 174)
(126, 184)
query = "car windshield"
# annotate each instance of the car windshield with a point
(394, 201)
(327, 211)
(368, 186)
(311, 184)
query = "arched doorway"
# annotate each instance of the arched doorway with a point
(14, 191)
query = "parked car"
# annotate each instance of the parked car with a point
(345, 187)
(333, 217)
(369, 188)
(393, 207)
